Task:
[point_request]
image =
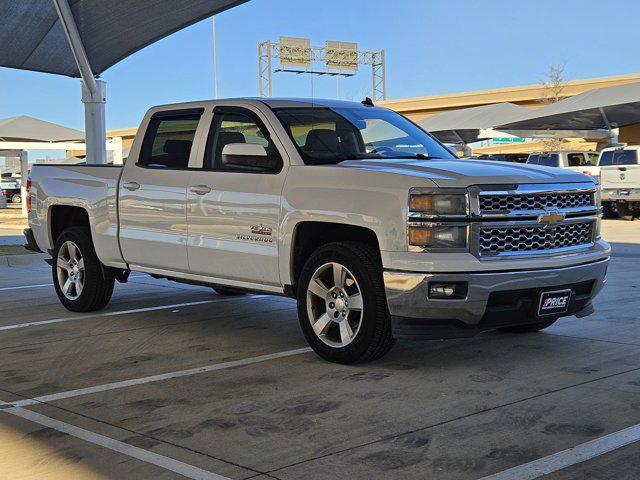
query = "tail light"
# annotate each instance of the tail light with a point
(5, 193)
(28, 194)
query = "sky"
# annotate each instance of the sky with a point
(431, 47)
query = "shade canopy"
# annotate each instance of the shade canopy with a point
(32, 37)
(24, 128)
(465, 124)
(596, 109)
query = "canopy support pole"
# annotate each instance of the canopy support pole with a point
(93, 91)
(613, 136)
(24, 174)
(466, 149)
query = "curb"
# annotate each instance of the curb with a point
(26, 259)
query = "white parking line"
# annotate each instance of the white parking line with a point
(38, 285)
(156, 378)
(181, 468)
(572, 456)
(21, 287)
(120, 312)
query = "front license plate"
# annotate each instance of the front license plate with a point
(553, 303)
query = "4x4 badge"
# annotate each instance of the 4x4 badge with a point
(260, 230)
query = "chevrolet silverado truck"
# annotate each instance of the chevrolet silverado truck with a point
(369, 222)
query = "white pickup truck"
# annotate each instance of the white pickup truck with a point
(372, 224)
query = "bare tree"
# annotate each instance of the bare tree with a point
(553, 91)
(554, 84)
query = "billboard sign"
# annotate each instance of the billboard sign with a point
(342, 55)
(295, 52)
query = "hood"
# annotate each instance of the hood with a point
(465, 173)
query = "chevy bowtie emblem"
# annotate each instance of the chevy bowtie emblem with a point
(552, 217)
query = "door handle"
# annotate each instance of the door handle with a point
(200, 189)
(132, 186)
(622, 169)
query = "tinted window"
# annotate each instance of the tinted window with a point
(533, 159)
(331, 135)
(551, 160)
(168, 140)
(593, 159)
(232, 127)
(618, 157)
(576, 160)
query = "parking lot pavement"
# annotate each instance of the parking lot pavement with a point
(173, 381)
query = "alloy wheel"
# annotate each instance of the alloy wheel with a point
(334, 304)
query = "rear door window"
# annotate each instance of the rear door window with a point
(533, 159)
(168, 140)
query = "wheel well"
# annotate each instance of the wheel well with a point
(62, 217)
(309, 236)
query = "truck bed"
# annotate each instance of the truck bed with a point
(91, 187)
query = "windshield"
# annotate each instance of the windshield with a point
(331, 135)
(618, 157)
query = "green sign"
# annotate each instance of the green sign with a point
(508, 140)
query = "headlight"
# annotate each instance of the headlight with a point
(440, 236)
(439, 204)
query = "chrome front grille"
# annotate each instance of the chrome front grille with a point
(525, 239)
(505, 203)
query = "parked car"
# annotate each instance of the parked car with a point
(11, 191)
(620, 174)
(583, 162)
(376, 228)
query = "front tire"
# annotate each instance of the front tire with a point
(81, 281)
(342, 305)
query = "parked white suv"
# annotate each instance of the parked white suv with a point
(370, 223)
(620, 174)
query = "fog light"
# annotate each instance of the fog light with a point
(453, 290)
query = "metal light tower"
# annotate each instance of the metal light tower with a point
(297, 55)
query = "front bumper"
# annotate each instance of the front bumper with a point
(620, 194)
(494, 299)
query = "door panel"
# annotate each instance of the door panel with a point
(233, 212)
(153, 193)
(153, 219)
(233, 229)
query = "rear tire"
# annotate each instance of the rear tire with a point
(609, 210)
(16, 199)
(343, 313)
(227, 291)
(529, 328)
(81, 281)
(625, 211)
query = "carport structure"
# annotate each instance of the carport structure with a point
(83, 38)
(22, 133)
(595, 113)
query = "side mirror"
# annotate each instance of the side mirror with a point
(250, 156)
